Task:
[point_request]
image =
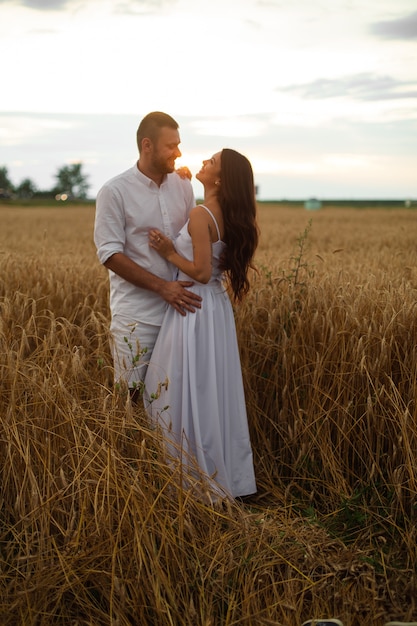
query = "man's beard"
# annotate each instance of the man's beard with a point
(164, 166)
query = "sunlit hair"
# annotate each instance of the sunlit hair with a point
(151, 125)
(237, 200)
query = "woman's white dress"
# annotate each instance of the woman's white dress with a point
(202, 409)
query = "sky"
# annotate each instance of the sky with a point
(321, 95)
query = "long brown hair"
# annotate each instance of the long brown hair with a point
(237, 200)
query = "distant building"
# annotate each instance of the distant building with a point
(312, 204)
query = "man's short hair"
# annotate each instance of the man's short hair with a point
(151, 125)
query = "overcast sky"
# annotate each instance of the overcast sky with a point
(320, 95)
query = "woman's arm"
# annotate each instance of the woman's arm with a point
(199, 228)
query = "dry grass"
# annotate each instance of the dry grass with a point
(95, 528)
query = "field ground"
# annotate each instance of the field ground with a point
(95, 528)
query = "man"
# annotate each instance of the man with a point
(148, 195)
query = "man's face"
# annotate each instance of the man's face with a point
(165, 150)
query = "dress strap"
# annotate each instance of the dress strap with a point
(214, 220)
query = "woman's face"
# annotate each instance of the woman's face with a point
(210, 171)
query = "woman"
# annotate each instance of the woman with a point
(193, 385)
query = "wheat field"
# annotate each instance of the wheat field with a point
(96, 528)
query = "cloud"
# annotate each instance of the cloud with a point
(402, 28)
(123, 7)
(364, 86)
(42, 5)
(342, 159)
(233, 126)
(19, 130)
(142, 7)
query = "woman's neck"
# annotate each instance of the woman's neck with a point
(210, 196)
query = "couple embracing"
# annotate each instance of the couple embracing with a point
(172, 266)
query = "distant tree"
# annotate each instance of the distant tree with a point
(6, 186)
(72, 181)
(26, 189)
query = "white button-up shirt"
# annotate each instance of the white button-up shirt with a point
(127, 207)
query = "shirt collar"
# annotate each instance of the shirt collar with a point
(147, 181)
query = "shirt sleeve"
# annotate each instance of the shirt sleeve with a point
(109, 225)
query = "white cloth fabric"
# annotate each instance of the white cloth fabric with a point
(132, 345)
(202, 411)
(127, 207)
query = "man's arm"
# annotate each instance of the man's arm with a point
(173, 292)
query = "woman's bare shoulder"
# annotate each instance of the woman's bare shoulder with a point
(199, 211)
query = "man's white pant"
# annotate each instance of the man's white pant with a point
(132, 345)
